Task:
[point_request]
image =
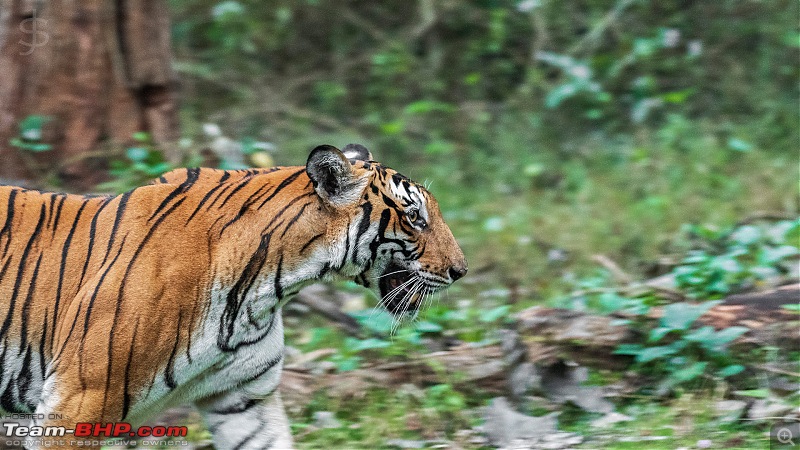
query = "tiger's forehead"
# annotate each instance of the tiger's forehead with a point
(403, 189)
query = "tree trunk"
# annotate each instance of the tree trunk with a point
(99, 70)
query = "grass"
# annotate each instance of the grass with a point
(381, 416)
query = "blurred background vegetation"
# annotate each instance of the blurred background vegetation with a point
(582, 126)
(655, 137)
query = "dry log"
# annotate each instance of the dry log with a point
(322, 299)
(465, 365)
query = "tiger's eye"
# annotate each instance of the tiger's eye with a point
(412, 215)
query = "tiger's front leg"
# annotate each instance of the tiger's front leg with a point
(240, 420)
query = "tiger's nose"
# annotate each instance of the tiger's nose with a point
(457, 272)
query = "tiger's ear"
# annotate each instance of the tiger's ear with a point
(356, 152)
(332, 175)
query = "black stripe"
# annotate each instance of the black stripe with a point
(43, 338)
(57, 357)
(92, 232)
(270, 364)
(293, 220)
(277, 283)
(126, 395)
(238, 188)
(363, 226)
(237, 408)
(236, 295)
(257, 195)
(9, 218)
(121, 292)
(95, 293)
(50, 210)
(64, 252)
(123, 205)
(310, 241)
(20, 272)
(26, 306)
(57, 218)
(205, 199)
(280, 187)
(24, 381)
(250, 437)
(189, 335)
(191, 177)
(169, 372)
(225, 187)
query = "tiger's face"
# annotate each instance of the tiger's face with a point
(398, 243)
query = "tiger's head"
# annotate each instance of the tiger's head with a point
(392, 236)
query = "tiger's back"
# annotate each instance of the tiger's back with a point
(64, 256)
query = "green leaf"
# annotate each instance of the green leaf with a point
(730, 371)
(628, 349)
(677, 97)
(158, 169)
(722, 338)
(495, 313)
(679, 316)
(426, 106)
(691, 372)
(559, 94)
(137, 154)
(611, 301)
(652, 353)
(379, 321)
(657, 333)
(703, 334)
(141, 136)
(739, 145)
(770, 255)
(428, 327)
(746, 235)
(755, 393)
(357, 345)
(392, 128)
(35, 147)
(439, 147)
(347, 364)
(33, 123)
(794, 307)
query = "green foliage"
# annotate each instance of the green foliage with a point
(141, 164)
(30, 135)
(682, 354)
(732, 259)
(444, 399)
(408, 74)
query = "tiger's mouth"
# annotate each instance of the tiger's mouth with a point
(400, 290)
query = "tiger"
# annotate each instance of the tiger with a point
(114, 308)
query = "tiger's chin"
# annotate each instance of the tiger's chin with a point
(402, 291)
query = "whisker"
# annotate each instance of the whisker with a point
(406, 303)
(391, 295)
(395, 272)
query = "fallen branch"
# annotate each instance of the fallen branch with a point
(317, 297)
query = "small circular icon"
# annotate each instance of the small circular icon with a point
(785, 436)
